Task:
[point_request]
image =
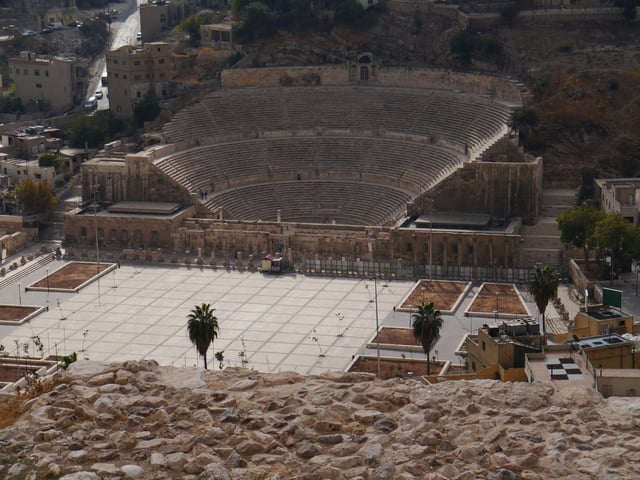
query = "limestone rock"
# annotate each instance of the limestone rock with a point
(139, 420)
(215, 471)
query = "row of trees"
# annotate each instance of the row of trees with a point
(610, 235)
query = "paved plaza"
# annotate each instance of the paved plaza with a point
(286, 322)
(281, 322)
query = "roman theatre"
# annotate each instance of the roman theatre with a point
(357, 163)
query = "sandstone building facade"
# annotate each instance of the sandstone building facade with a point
(51, 83)
(134, 71)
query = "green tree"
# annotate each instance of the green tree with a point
(35, 197)
(576, 227)
(192, 26)
(87, 131)
(238, 6)
(147, 109)
(616, 236)
(349, 10)
(628, 8)
(259, 20)
(461, 45)
(543, 286)
(47, 160)
(202, 326)
(427, 323)
(96, 36)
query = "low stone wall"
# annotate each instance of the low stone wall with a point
(285, 76)
(501, 88)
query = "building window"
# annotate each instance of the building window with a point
(154, 236)
(46, 73)
(100, 233)
(162, 75)
(38, 85)
(36, 72)
(115, 61)
(137, 235)
(114, 235)
(37, 176)
(124, 76)
(137, 77)
(116, 75)
(137, 62)
(139, 94)
(484, 346)
(161, 61)
(124, 235)
(83, 231)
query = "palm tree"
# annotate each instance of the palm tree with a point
(543, 285)
(203, 328)
(427, 323)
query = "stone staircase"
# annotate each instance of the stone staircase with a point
(542, 241)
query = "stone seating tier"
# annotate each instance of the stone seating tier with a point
(414, 167)
(344, 202)
(457, 118)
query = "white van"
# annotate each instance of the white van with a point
(91, 103)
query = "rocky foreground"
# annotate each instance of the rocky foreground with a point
(139, 420)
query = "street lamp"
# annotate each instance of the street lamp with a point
(94, 190)
(375, 290)
(47, 270)
(497, 296)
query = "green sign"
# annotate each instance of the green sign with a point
(611, 297)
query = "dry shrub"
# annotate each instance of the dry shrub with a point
(14, 405)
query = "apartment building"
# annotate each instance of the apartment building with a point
(620, 195)
(133, 71)
(48, 83)
(159, 16)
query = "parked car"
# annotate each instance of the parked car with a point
(91, 103)
(99, 94)
(29, 33)
(46, 30)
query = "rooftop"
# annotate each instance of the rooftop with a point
(602, 341)
(605, 313)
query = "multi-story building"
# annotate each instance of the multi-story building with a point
(158, 16)
(504, 345)
(602, 320)
(13, 171)
(620, 195)
(49, 83)
(134, 71)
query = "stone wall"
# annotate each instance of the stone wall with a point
(285, 76)
(448, 80)
(401, 77)
(501, 189)
(123, 231)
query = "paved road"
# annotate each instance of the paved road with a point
(124, 28)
